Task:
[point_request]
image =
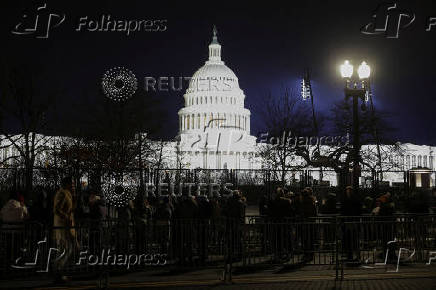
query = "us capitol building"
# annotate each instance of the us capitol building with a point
(214, 129)
(214, 125)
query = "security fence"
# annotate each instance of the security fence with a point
(223, 244)
(262, 181)
(50, 176)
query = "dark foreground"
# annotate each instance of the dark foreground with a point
(305, 277)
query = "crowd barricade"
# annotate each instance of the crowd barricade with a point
(30, 247)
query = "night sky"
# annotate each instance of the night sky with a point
(268, 45)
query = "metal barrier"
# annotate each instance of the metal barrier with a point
(114, 245)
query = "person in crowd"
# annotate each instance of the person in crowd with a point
(308, 203)
(124, 219)
(281, 208)
(14, 211)
(204, 216)
(142, 214)
(328, 205)
(41, 208)
(351, 207)
(235, 206)
(63, 223)
(308, 210)
(367, 206)
(234, 210)
(204, 207)
(187, 207)
(163, 226)
(97, 207)
(385, 208)
(263, 205)
(386, 205)
(97, 214)
(281, 205)
(13, 214)
(183, 227)
(216, 221)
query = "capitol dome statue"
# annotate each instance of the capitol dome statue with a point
(214, 126)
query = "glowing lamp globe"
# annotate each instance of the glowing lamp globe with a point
(346, 69)
(364, 71)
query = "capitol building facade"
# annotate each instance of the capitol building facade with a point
(214, 125)
(214, 130)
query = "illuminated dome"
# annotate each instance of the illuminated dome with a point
(214, 125)
(213, 71)
(213, 99)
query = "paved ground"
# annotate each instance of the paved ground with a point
(308, 277)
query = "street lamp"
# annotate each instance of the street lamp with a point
(356, 90)
(364, 71)
(347, 70)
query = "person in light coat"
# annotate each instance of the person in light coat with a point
(63, 226)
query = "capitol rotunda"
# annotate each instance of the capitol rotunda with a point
(214, 125)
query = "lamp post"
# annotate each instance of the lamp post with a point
(356, 89)
(306, 93)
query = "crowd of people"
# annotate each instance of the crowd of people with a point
(64, 211)
(303, 204)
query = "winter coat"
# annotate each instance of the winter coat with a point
(63, 208)
(308, 208)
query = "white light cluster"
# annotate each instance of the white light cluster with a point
(119, 84)
(305, 90)
(119, 199)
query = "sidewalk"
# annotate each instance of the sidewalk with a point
(317, 277)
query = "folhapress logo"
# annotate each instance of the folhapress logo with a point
(40, 23)
(388, 19)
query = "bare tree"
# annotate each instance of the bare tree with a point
(374, 130)
(24, 107)
(285, 116)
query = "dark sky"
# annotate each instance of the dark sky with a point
(268, 45)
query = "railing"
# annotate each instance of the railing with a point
(220, 243)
